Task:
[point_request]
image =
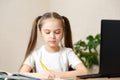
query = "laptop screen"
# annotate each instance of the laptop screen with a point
(110, 47)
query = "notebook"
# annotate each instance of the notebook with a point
(109, 51)
(11, 76)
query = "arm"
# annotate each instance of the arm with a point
(79, 70)
(25, 70)
(74, 62)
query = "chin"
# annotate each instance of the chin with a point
(52, 45)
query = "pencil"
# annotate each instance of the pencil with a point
(44, 66)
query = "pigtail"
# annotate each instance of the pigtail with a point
(33, 39)
(67, 33)
(67, 36)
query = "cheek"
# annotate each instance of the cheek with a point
(60, 36)
(44, 36)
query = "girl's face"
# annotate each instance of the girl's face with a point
(52, 32)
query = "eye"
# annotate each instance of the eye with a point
(47, 32)
(57, 32)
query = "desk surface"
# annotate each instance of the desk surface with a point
(99, 79)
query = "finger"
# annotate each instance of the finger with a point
(51, 77)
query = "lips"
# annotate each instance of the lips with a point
(51, 41)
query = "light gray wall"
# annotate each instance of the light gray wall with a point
(16, 17)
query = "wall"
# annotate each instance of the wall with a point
(16, 17)
(85, 15)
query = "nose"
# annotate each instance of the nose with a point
(52, 35)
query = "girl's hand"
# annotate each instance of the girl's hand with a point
(48, 74)
(56, 74)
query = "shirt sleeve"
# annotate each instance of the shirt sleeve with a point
(30, 60)
(73, 59)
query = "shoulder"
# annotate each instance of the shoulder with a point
(67, 50)
(38, 51)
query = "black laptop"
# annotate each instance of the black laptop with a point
(109, 51)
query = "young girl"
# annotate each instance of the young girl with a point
(53, 59)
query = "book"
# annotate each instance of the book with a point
(15, 76)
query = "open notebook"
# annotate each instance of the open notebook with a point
(109, 51)
(11, 76)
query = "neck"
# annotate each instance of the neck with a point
(52, 49)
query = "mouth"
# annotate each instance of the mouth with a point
(52, 41)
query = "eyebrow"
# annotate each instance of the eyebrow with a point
(49, 29)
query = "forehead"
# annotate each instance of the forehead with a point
(52, 23)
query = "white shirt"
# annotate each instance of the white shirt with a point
(58, 61)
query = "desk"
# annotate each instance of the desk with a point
(99, 79)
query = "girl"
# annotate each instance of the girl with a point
(53, 59)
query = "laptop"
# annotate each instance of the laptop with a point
(109, 51)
